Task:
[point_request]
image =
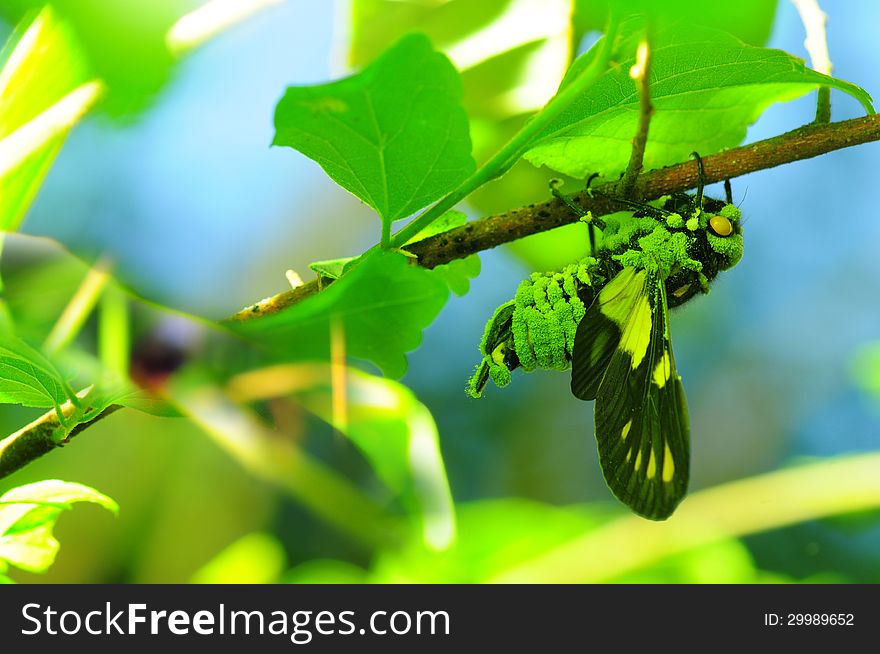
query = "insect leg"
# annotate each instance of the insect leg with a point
(592, 222)
(701, 180)
(728, 192)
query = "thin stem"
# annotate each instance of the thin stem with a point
(78, 309)
(521, 141)
(823, 105)
(641, 73)
(386, 235)
(816, 44)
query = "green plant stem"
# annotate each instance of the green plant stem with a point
(113, 332)
(641, 73)
(386, 235)
(78, 309)
(786, 497)
(508, 155)
(816, 44)
(823, 105)
(803, 143)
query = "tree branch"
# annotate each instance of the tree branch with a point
(38, 438)
(35, 439)
(803, 143)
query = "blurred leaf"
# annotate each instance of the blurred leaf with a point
(865, 368)
(28, 514)
(253, 559)
(492, 536)
(395, 135)
(381, 306)
(377, 23)
(53, 277)
(512, 53)
(43, 93)
(553, 249)
(325, 571)
(748, 20)
(397, 435)
(458, 273)
(27, 377)
(124, 43)
(706, 86)
(724, 562)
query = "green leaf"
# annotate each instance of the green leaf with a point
(397, 435)
(511, 53)
(44, 88)
(865, 368)
(457, 273)
(381, 306)
(253, 559)
(748, 20)
(28, 514)
(330, 268)
(377, 22)
(395, 135)
(126, 44)
(27, 377)
(707, 87)
(493, 535)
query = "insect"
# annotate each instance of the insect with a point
(606, 317)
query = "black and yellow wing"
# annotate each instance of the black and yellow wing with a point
(622, 358)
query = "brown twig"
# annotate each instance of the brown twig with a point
(38, 438)
(492, 231)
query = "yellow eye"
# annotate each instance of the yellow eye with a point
(721, 225)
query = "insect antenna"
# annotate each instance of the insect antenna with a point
(728, 192)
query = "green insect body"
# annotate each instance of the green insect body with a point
(606, 318)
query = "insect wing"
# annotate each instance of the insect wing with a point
(601, 329)
(641, 412)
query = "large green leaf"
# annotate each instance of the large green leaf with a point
(28, 514)
(707, 88)
(44, 91)
(395, 134)
(27, 377)
(381, 307)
